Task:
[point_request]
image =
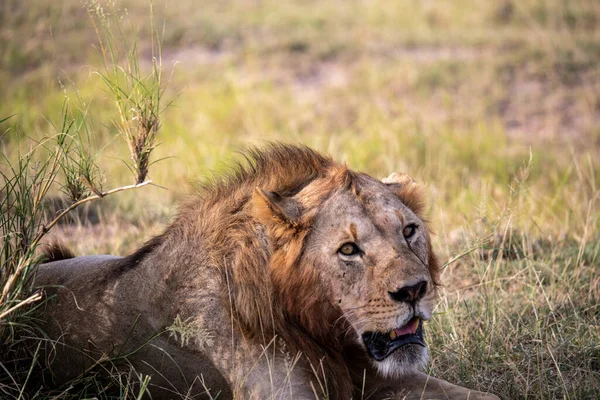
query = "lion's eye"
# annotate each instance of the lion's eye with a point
(349, 249)
(409, 231)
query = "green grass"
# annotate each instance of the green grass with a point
(457, 94)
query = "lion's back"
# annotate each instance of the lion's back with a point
(58, 272)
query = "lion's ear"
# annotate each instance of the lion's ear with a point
(270, 208)
(398, 178)
(409, 191)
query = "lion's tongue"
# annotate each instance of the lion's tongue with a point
(409, 328)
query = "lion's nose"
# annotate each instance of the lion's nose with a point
(410, 294)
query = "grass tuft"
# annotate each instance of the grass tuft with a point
(137, 95)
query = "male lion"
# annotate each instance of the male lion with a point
(291, 277)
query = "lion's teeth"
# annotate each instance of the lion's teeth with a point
(393, 335)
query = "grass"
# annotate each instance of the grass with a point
(63, 161)
(460, 95)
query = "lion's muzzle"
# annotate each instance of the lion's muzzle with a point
(381, 345)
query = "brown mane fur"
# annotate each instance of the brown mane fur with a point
(229, 216)
(55, 252)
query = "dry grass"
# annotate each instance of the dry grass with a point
(458, 94)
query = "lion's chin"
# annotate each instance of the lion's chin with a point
(403, 362)
(398, 352)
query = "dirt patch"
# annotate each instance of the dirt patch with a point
(308, 85)
(541, 110)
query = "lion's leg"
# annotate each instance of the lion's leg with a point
(263, 372)
(424, 387)
(254, 368)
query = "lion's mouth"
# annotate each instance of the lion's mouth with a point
(380, 345)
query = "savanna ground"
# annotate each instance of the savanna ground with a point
(495, 106)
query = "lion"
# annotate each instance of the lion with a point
(290, 277)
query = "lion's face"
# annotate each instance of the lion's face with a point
(349, 246)
(372, 252)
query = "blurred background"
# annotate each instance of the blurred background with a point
(493, 105)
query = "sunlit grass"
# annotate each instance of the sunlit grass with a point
(493, 105)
